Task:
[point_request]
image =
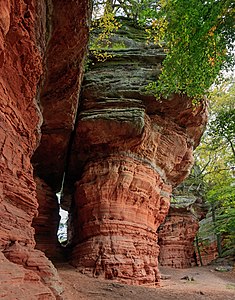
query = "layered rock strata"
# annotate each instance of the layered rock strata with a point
(129, 149)
(59, 93)
(20, 117)
(176, 239)
(207, 241)
(208, 252)
(25, 27)
(178, 232)
(46, 224)
(120, 202)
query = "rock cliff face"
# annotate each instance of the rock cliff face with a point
(59, 93)
(128, 152)
(47, 222)
(178, 232)
(176, 238)
(25, 29)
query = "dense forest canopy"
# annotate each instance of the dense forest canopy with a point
(198, 36)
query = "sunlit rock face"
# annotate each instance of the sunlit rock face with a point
(129, 150)
(26, 39)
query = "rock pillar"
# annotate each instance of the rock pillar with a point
(176, 239)
(120, 202)
(129, 149)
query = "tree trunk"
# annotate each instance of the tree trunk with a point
(218, 236)
(198, 250)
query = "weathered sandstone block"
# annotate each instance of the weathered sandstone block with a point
(207, 240)
(47, 221)
(68, 23)
(20, 119)
(178, 232)
(18, 282)
(176, 239)
(129, 150)
(119, 204)
(25, 29)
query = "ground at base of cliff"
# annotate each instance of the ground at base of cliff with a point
(185, 284)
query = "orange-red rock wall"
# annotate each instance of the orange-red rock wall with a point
(59, 92)
(128, 152)
(208, 251)
(176, 239)
(46, 223)
(20, 120)
(26, 27)
(119, 205)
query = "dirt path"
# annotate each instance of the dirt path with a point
(202, 283)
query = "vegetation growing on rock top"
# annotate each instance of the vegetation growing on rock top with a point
(199, 37)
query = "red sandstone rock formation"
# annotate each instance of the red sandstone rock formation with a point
(120, 202)
(17, 281)
(47, 222)
(128, 151)
(207, 241)
(177, 233)
(124, 193)
(25, 27)
(208, 251)
(60, 88)
(176, 239)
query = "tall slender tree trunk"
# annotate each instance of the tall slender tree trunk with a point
(218, 236)
(198, 250)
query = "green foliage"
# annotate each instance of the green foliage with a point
(140, 11)
(215, 158)
(118, 46)
(198, 38)
(221, 127)
(100, 41)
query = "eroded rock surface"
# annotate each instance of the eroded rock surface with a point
(17, 281)
(207, 240)
(119, 203)
(176, 239)
(25, 29)
(128, 149)
(177, 234)
(47, 222)
(21, 67)
(128, 152)
(59, 94)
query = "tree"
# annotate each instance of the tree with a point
(216, 160)
(222, 124)
(140, 11)
(198, 36)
